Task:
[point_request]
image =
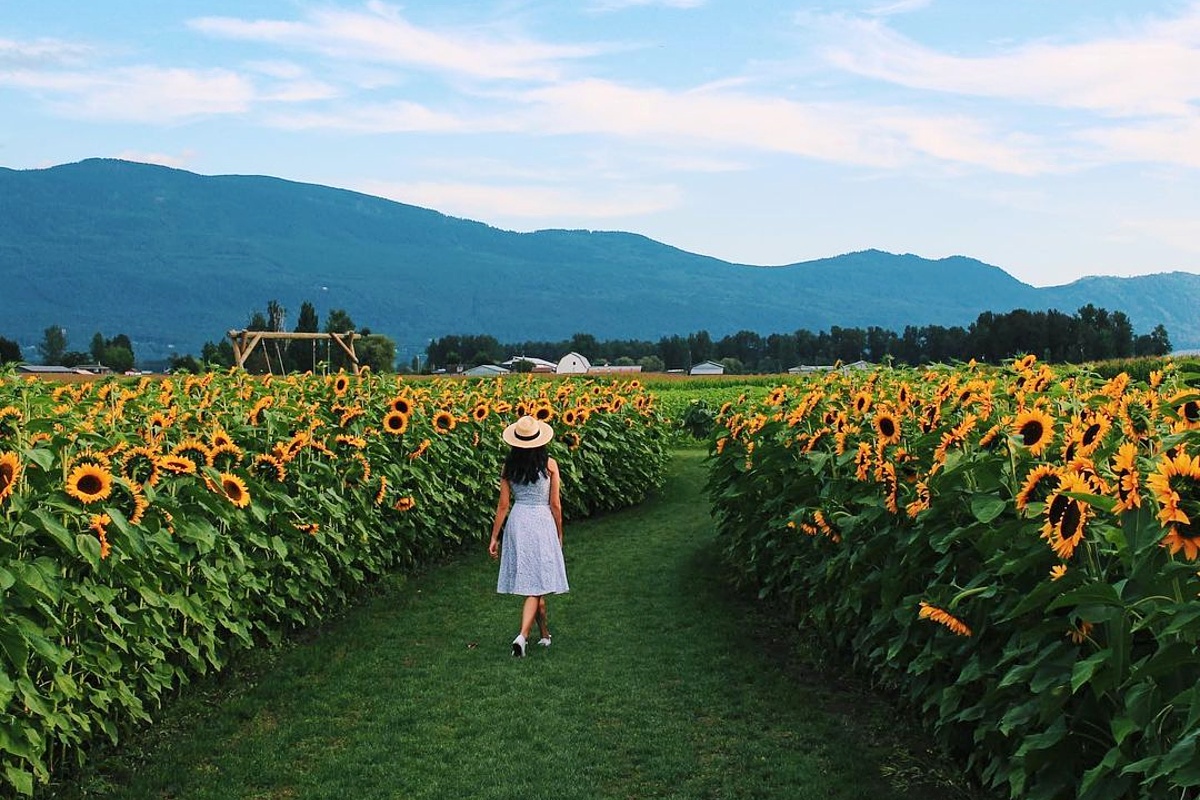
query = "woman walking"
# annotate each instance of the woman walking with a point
(530, 512)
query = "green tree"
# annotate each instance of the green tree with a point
(53, 344)
(118, 359)
(377, 352)
(651, 364)
(10, 351)
(217, 354)
(97, 347)
(302, 354)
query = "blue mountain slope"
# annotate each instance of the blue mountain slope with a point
(174, 259)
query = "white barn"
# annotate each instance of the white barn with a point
(572, 364)
(707, 368)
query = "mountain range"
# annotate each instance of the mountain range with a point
(174, 259)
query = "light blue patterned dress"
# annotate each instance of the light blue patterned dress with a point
(531, 559)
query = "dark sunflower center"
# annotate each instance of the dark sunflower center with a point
(1032, 432)
(1058, 508)
(1191, 411)
(6, 476)
(233, 490)
(887, 427)
(90, 484)
(1091, 433)
(1072, 519)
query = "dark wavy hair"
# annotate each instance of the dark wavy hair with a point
(525, 464)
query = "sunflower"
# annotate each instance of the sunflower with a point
(480, 412)
(340, 384)
(420, 451)
(382, 493)
(862, 402)
(1093, 433)
(395, 423)
(1066, 516)
(1037, 485)
(235, 490)
(826, 527)
(177, 466)
(401, 404)
(951, 622)
(404, 504)
(1125, 472)
(219, 438)
(1057, 571)
(1187, 409)
(99, 523)
(890, 487)
(225, 456)
(1080, 633)
(1176, 486)
(571, 440)
(193, 450)
(887, 427)
(569, 417)
(266, 465)
(616, 403)
(350, 414)
(89, 483)
(776, 396)
(10, 472)
(1035, 429)
(863, 458)
(10, 418)
(443, 422)
(310, 528)
(262, 405)
(922, 503)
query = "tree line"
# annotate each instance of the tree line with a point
(1091, 334)
(116, 352)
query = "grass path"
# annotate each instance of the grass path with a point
(660, 683)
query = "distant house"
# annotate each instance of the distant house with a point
(486, 371)
(539, 364)
(707, 368)
(573, 364)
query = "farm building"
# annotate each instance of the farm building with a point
(486, 371)
(707, 368)
(539, 364)
(573, 364)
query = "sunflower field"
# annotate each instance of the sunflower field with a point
(149, 530)
(1011, 552)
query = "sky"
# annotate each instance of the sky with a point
(1052, 138)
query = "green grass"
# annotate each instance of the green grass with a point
(661, 682)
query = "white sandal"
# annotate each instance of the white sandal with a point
(544, 641)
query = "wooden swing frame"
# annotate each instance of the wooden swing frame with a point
(244, 343)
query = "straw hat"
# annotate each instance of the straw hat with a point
(528, 432)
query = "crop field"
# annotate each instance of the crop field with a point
(151, 528)
(1010, 552)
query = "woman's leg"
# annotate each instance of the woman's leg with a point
(528, 612)
(543, 626)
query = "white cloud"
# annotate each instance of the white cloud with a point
(380, 34)
(899, 7)
(1148, 70)
(40, 53)
(400, 116)
(528, 201)
(141, 94)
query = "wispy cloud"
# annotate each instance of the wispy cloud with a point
(379, 33)
(40, 53)
(899, 7)
(1149, 69)
(140, 94)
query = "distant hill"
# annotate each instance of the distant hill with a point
(173, 259)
